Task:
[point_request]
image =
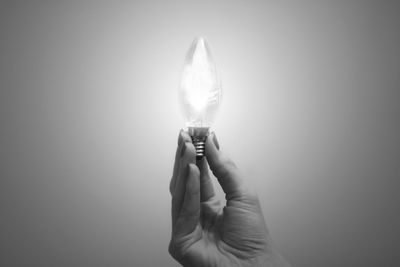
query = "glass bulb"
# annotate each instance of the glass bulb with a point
(199, 92)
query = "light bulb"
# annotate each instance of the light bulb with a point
(199, 93)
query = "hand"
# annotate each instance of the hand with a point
(204, 233)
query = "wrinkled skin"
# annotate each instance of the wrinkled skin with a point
(203, 232)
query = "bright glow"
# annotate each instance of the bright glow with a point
(200, 90)
(198, 78)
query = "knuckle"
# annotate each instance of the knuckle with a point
(230, 165)
(225, 167)
(252, 197)
(175, 249)
(171, 249)
(174, 201)
(171, 186)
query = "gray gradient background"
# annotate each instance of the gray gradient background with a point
(89, 120)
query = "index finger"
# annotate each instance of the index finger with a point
(182, 138)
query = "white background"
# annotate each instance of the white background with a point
(89, 123)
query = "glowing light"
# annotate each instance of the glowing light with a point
(200, 90)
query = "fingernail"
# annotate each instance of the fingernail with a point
(180, 138)
(215, 141)
(183, 149)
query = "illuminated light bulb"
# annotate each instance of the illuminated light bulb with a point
(199, 93)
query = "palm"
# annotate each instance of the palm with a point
(224, 236)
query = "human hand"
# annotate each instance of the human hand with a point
(204, 233)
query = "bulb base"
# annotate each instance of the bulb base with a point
(199, 137)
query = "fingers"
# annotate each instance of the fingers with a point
(206, 185)
(190, 212)
(224, 169)
(183, 137)
(187, 155)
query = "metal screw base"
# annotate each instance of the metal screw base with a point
(199, 137)
(199, 144)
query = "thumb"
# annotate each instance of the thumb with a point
(190, 212)
(224, 170)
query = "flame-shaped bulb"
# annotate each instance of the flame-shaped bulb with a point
(199, 92)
